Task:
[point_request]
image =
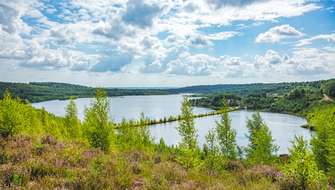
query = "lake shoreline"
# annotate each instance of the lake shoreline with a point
(157, 107)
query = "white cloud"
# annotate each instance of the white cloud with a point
(271, 57)
(194, 65)
(222, 35)
(222, 3)
(45, 58)
(122, 36)
(278, 33)
(140, 13)
(302, 62)
(114, 29)
(11, 46)
(263, 11)
(199, 41)
(322, 37)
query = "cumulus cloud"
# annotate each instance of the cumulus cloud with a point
(194, 65)
(11, 46)
(205, 40)
(204, 65)
(45, 58)
(123, 36)
(322, 37)
(222, 3)
(302, 62)
(278, 33)
(114, 62)
(199, 41)
(114, 29)
(222, 35)
(7, 16)
(271, 57)
(140, 13)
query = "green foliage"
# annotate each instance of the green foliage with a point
(62, 159)
(323, 143)
(71, 120)
(329, 88)
(226, 135)
(243, 89)
(188, 153)
(43, 91)
(281, 97)
(296, 94)
(186, 127)
(302, 169)
(214, 161)
(11, 115)
(97, 127)
(188, 158)
(133, 137)
(261, 149)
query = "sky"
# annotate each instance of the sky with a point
(166, 43)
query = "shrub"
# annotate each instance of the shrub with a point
(302, 171)
(11, 115)
(72, 122)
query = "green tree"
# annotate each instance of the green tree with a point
(226, 135)
(323, 143)
(11, 115)
(261, 149)
(302, 169)
(186, 127)
(72, 122)
(188, 152)
(97, 126)
(214, 160)
(329, 88)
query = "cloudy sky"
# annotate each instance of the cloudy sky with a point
(141, 43)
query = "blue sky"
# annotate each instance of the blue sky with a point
(143, 43)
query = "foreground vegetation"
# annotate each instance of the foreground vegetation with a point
(41, 151)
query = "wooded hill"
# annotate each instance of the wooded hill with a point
(42, 91)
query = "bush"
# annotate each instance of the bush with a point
(11, 115)
(301, 171)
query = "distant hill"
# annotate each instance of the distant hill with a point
(245, 89)
(42, 91)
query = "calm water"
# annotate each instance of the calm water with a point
(283, 127)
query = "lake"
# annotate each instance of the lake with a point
(283, 127)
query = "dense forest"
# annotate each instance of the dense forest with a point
(41, 151)
(294, 98)
(42, 91)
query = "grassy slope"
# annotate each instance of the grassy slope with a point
(48, 163)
